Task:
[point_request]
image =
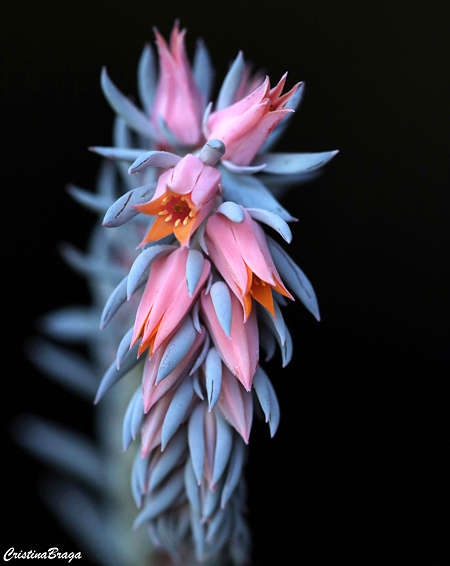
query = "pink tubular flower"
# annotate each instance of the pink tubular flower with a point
(183, 198)
(178, 100)
(165, 300)
(241, 352)
(240, 253)
(245, 125)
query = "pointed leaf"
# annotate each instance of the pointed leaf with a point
(177, 348)
(160, 159)
(112, 375)
(168, 460)
(134, 117)
(118, 153)
(194, 269)
(230, 85)
(161, 499)
(292, 163)
(143, 261)
(249, 192)
(203, 71)
(294, 278)
(117, 298)
(213, 371)
(224, 443)
(177, 410)
(123, 209)
(232, 211)
(147, 78)
(273, 220)
(197, 442)
(92, 201)
(220, 295)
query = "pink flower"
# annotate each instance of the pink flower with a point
(240, 253)
(165, 300)
(178, 100)
(245, 125)
(183, 198)
(241, 352)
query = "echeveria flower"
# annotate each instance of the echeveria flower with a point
(166, 300)
(203, 187)
(178, 102)
(245, 125)
(183, 198)
(240, 252)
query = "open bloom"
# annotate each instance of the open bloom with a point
(245, 125)
(165, 301)
(183, 198)
(239, 251)
(178, 100)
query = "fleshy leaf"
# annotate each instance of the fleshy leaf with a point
(224, 443)
(112, 374)
(143, 261)
(234, 471)
(160, 159)
(177, 348)
(197, 442)
(123, 209)
(273, 220)
(220, 295)
(249, 192)
(147, 78)
(203, 71)
(213, 371)
(232, 211)
(194, 269)
(161, 499)
(231, 83)
(294, 278)
(168, 459)
(134, 117)
(293, 163)
(177, 410)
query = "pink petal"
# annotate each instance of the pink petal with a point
(236, 404)
(241, 353)
(253, 255)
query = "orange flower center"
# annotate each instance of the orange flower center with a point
(175, 210)
(174, 214)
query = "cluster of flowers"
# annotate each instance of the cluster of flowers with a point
(203, 183)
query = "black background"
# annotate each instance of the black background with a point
(357, 473)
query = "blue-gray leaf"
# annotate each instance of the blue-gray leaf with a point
(230, 85)
(134, 117)
(213, 371)
(194, 270)
(294, 278)
(143, 261)
(162, 159)
(177, 410)
(293, 163)
(177, 348)
(147, 78)
(232, 211)
(220, 295)
(250, 192)
(273, 220)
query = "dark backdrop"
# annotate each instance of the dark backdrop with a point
(357, 472)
